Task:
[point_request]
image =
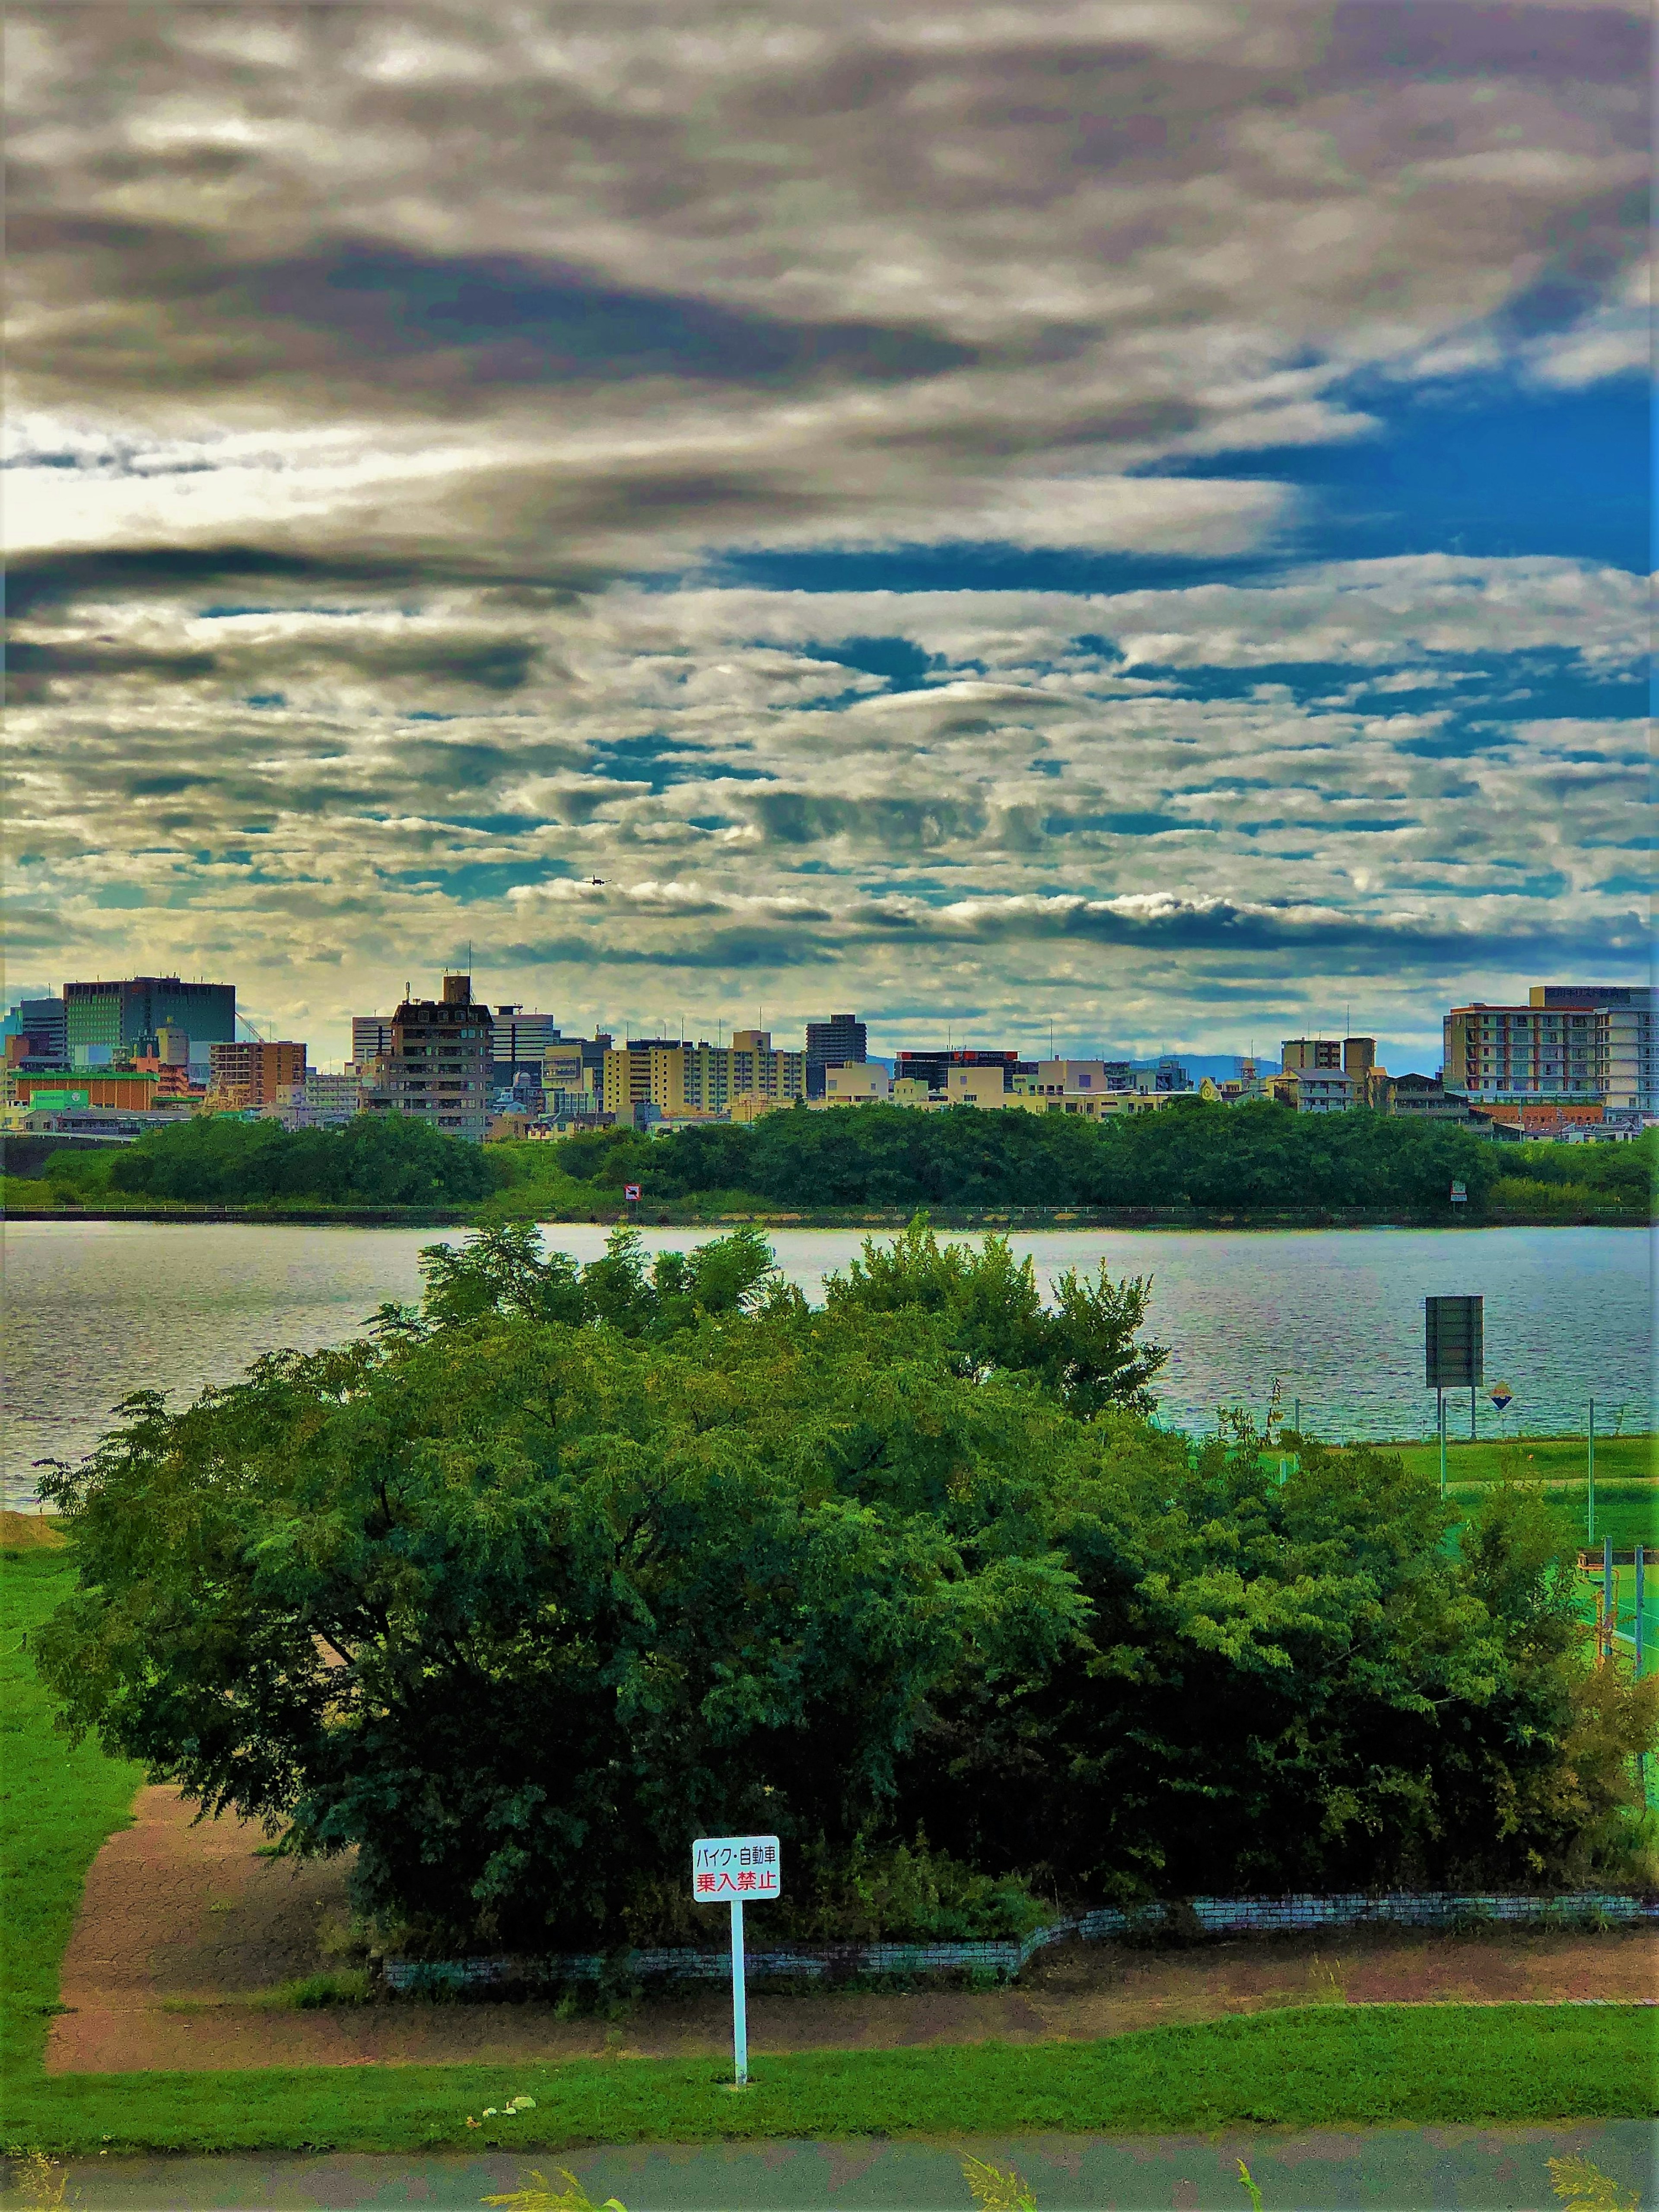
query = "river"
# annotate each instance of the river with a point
(94, 1310)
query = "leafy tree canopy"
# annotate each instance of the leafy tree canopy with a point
(574, 1564)
(374, 1159)
(1191, 1152)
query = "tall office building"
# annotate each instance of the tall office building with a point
(438, 1068)
(99, 1018)
(519, 1041)
(39, 1023)
(371, 1036)
(838, 1043)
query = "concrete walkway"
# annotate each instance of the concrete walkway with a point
(1328, 2170)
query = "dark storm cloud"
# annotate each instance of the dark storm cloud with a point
(38, 582)
(31, 665)
(794, 817)
(516, 320)
(726, 949)
(1369, 39)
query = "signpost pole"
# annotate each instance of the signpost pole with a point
(1609, 1594)
(739, 2000)
(1640, 1563)
(1440, 1411)
(1641, 1756)
(1472, 1435)
(1589, 1478)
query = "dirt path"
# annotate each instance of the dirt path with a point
(181, 1925)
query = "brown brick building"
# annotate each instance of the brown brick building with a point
(251, 1074)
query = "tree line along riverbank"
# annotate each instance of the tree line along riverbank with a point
(1189, 1166)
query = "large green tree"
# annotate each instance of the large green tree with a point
(374, 1159)
(572, 1564)
(1188, 1152)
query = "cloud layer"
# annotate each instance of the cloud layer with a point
(401, 394)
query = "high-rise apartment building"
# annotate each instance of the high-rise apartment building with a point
(254, 1072)
(438, 1068)
(1570, 1042)
(99, 1018)
(675, 1077)
(838, 1043)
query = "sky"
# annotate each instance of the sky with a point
(1118, 522)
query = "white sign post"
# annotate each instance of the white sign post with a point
(732, 1871)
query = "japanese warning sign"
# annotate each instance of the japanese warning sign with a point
(728, 1868)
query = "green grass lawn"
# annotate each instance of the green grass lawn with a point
(1536, 1459)
(1626, 1511)
(1324, 2065)
(1626, 1479)
(1366, 2064)
(57, 1806)
(25, 1190)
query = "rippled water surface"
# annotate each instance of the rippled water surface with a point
(94, 1310)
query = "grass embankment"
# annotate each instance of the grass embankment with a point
(57, 1806)
(1326, 2065)
(1626, 1479)
(1375, 2064)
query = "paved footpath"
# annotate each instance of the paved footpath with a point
(1326, 2170)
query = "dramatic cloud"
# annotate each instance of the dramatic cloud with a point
(859, 484)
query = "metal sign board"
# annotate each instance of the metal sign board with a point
(1454, 1342)
(1501, 1396)
(724, 1867)
(631, 1190)
(737, 1870)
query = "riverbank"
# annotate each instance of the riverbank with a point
(690, 1216)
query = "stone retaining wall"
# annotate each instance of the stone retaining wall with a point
(1257, 1915)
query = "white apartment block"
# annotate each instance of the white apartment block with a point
(320, 1102)
(1570, 1043)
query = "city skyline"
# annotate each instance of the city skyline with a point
(1034, 524)
(338, 1045)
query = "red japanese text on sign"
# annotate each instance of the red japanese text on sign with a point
(724, 1868)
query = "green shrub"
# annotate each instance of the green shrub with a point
(315, 1992)
(1525, 1195)
(376, 1159)
(576, 1563)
